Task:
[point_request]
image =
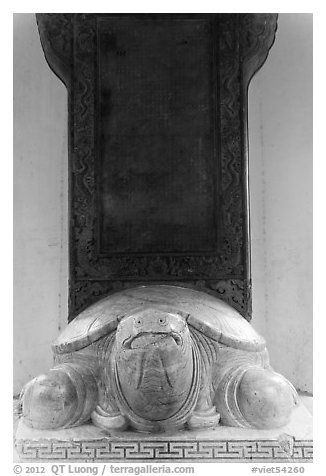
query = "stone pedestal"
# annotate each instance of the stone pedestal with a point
(86, 443)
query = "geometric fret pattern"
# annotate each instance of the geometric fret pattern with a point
(103, 450)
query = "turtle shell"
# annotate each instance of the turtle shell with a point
(202, 310)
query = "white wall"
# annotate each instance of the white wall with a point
(40, 204)
(280, 168)
(280, 134)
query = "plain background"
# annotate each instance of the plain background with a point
(280, 135)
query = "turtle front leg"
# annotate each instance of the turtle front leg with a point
(111, 420)
(257, 397)
(62, 398)
(204, 415)
(107, 414)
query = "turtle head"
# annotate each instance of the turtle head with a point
(152, 328)
(154, 362)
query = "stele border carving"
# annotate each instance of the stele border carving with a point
(69, 43)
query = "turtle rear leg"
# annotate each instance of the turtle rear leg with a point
(257, 397)
(62, 398)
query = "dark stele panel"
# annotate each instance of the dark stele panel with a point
(157, 137)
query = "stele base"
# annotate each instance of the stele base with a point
(87, 443)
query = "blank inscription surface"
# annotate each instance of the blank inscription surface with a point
(156, 136)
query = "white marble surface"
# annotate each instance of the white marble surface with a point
(300, 427)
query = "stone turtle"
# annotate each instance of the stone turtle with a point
(159, 358)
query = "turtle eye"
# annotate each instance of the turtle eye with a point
(162, 321)
(138, 321)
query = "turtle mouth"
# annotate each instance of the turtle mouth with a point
(145, 339)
